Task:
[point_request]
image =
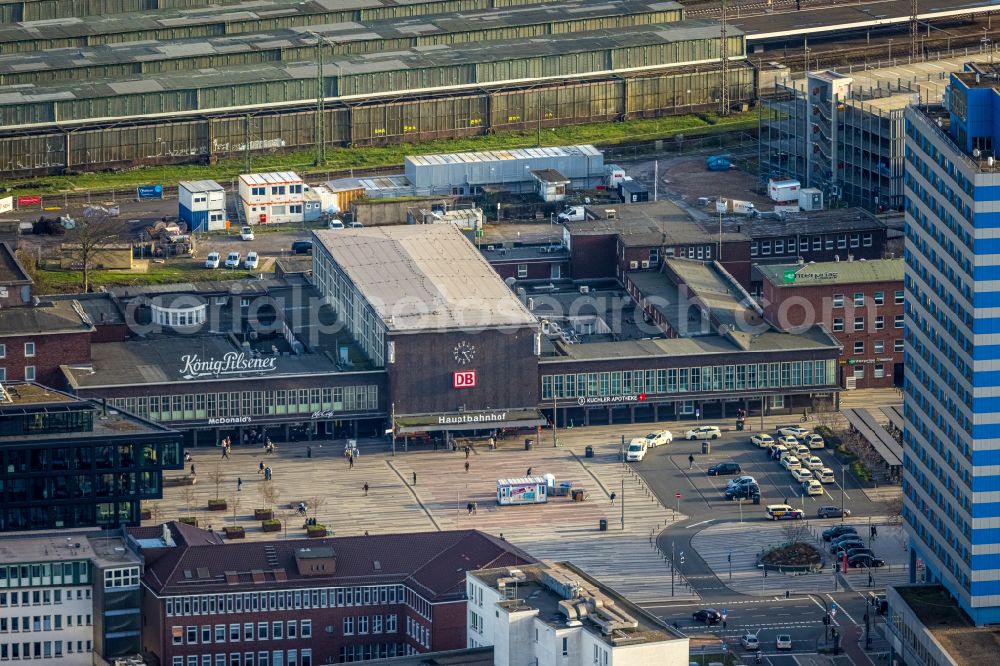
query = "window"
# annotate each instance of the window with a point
(29, 349)
(765, 247)
(898, 321)
(878, 346)
(855, 240)
(3, 351)
(866, 240)
(859, 347)
(220, 633)
(291, 633)
(753, 251)
(29, 373)
(306, 629)
(879, 297)
(859, 323)
(262, 631)
(838, 300)
(277, 629)
(897, 346)
(838, 324)
(206, 633)
(898, 299)
(192, 635)
(859, 299)
(829, 242)
(842, 242)
(348, 626)
(176, 633)
(859, 372)
(817, 243)
(779, 246)
(522, 270)
(234, 631)
(565, 647)
(879, 371)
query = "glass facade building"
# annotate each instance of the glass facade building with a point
(67, 462)
(951, 478)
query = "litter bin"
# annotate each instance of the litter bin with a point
(528, 445)
(604, 525)
(706, 447)
(588, 452)
(756, 499)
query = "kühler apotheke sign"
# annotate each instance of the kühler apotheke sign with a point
(232, 363)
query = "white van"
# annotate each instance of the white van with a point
(636, 450)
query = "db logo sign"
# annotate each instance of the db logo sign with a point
(464, 379)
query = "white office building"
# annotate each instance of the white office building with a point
(555, 615)
(272, 198)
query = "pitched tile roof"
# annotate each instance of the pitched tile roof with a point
(431, 563)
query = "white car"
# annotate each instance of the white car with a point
(246, 233)
(826, 475)
(739, 481)
(703, 432)
(814, 462)
(659, 437)
(335, 224)
(750, 642)
(790, 463)
(793, 431)
(762, 440)
(636, 450)
(233, 260)
(814, 441)
(212, 260)
(812, 487)
(783, 642)
(789, 441)
(801, 475)
(252, 261)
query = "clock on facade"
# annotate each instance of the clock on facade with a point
(464, 352)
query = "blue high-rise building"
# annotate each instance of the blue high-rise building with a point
(951, 480)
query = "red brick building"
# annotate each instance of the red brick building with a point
(304, 602)
(859, 302)
(37, 336)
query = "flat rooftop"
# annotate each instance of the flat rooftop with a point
(808, 223)
(832, 272)
(424, 277)
(539, 590)
(503, 155)
(16, 549)
(49, 316)
(948, 623)
(653, 223)
(22, 394)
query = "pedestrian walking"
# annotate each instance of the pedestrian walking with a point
(239, 484)
(192, 469)
(468, 509)
(414, 478)
(528, 473)
(690, 461)
(874, 532)
(225, 454)
(267, 473)
(493, 442)
(613, 496)
(365, 488)
(475, 508)
(466, 466)
(350, 461)
(260, 467)
(466, 453)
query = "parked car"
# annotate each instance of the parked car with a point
(855, 551)
(793, 431)
(212, 260)
(783, 642)
(802, 474)
(838, 530)
(789, 441)
(707, 615)
(814, 441)
(812, 487)
(659, 437)
(826, 475)
(356, 225)
(740, 481)
(862, 560)
(832, 512)
(724, 468)
(246, 233)
(334, 224)
(302, 247)
(703, 432)
(813, 462)
(747, 491)
(843, 545)
(790, 463)
(762, 440)
(252, 261)
(233, 260)
(636, 451)
(779, 451)
(749, 642)
(802, 452)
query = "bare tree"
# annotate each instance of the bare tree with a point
(269, 494)
(235, 501)
(217, 476)
(894, 509)
(315, 503)
(154, 510)
(187, 494)
(796, 531)
(94, 232)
